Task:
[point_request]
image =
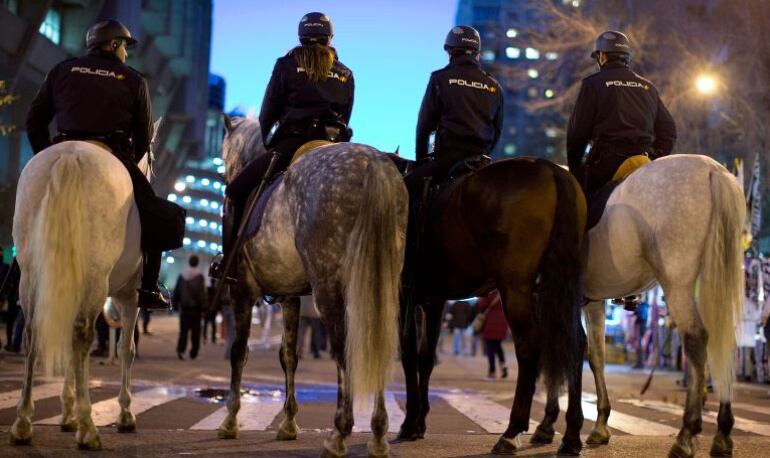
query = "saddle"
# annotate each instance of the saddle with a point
(257, 214)
(597, 201)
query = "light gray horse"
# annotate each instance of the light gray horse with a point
(336, 225)
(76, 227)
(676, 222)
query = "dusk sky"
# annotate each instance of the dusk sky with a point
(392, 46)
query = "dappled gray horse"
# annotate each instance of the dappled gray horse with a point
(676, 221)
(334, 225)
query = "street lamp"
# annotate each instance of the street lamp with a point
(706, 84)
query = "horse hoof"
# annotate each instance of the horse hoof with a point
(287, 431)
(722, 445)
(69, 427)
(541, 437)
(566, 449)
(329, 454)
(20, 440)
(127, 428)
(377, 449)
(677, 451)
(505, 446)
(227, 433)
(406, 434)
(598, 438)
(93, 444)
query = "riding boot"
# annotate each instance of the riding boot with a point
(230, 222)
(11, 280)
(150, 297)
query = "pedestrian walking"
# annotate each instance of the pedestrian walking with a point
(210, 316)
(494, 331)
(190, 299)
(309, 319)
(12, 311)
(460, 319)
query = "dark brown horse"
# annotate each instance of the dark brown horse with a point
(516, 225)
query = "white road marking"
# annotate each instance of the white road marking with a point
(746, 407)
(363, 416)
(46, 390)
(763, 429)
(105, 413)
(256, 414)
(491, 416)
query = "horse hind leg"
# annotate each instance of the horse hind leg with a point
(681, 303)
(545, 431)
(69, 422)
(21, 431)
(595, 318)
(378, 445)
(126, 422)
(288, 429)
(238, 355)
(723, 444)
(87, 435)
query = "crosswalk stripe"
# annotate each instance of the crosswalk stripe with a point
(486, 413)
(763, 429)
(105, 412)
(46, 390)
(256, 414)
(362, 417)
(618, 420)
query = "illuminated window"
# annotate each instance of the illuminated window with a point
(51, 26)
(510, 149)
(488, 55)
(532, 54)
(549, 93)
(511, 33)
(512, 53)
(551, 55)
(533, 73)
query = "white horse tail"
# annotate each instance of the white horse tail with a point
(373, 261)
(59, 263)
(721, 285)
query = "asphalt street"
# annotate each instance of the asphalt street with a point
(179, 405)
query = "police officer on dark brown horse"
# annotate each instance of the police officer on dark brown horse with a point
(463, 105)
(309, 97)
(98, 97)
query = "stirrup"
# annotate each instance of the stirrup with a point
(215, 270)
(153, 300)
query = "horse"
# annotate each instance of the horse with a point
(335, 226)
(676, 221)
(78, 234)
(516, 225)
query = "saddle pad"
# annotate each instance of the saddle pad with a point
(309, 146)
(255, 219)
(629, 166)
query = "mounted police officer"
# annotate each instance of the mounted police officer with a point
(618, 113)
(463, 106)
(98, 97)
(309, 97)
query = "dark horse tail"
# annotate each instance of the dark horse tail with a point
(558, 295)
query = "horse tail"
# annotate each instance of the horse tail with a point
(720, 299)
(58, 263)
(558, 296)
(373, 261)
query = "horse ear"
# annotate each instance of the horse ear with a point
(396, 151)
(228, 122)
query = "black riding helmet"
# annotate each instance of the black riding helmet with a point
(463, 37)
(612, 42)
(104, 31)
(315, 28)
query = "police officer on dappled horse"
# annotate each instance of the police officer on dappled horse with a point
(98, 97)
(620, 115)
(309, 97)
(463, 105)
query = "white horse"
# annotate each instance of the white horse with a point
(76, 227)
(676, 222)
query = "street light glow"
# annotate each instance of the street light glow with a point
(706, 84)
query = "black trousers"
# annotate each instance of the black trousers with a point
(189, 323)
(494, 348)
(144, 196)
(600, 169)
(210, 320)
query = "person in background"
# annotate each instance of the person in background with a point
(460, 312)
(13, 313)
(472, 335)
(309, 318)
(210, 316)
(495, 330)
(190, 299)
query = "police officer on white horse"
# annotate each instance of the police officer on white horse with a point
(98, 97)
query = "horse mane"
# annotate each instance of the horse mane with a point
(242, 144)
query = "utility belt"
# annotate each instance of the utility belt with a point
(314, 129)
(616, 150)
(119, 142)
